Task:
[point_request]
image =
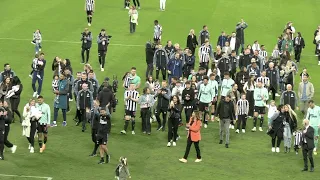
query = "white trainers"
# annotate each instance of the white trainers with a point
(70, 99)
(14, 148)
(183, 160)
(123, 132)
(89, 24)
(30, 75)
(127, 7)
(237, 131)
(254, 129)
(273, 149)
(319, 63)
(205, 126)
(133, 133)
(174, 144)
(243, 131)
(232, 126)
(29, 146)
(169, 144)
(277, 149)
(260, 129)
(35, 94)
(278, 95)
(31, 150)
(198, 160)
(102, 69)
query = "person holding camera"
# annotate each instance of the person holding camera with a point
(163, 95)
(86, 38)
(103, 42)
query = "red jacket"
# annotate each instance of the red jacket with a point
(194, 130)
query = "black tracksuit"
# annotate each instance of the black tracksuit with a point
(149, 59)
(160, 60)
(289, 97)
(2, 132)
(95, 85)
(8, 120)
(272, 74)
(188, 104)
(224, 65)
(234, 66)
(245, 60)
(84, 103)
(188, 66)
(86, 39)
(102, 48)
(173, 122)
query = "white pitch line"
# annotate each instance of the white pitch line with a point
(35, 177)
(71, 42)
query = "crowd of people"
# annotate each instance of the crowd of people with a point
(216, 91)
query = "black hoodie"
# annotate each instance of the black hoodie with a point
(105, 97)
(188, 93)
(149, 53)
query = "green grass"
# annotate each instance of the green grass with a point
(66, 157)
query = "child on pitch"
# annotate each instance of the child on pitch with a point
(297, 140)
(37, 39)
(102, 134)
(122, 170)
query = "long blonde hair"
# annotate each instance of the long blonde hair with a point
(291, 112)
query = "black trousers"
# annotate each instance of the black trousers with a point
(242, 119)
(94, 135)
(297, 53)
(163, 72)
(145, 115)
(133, 27)
(273, 92)
(102, 58)
(173, 124)
(87, 50)
(33, 129)
(196, 145)
(273, 141)
(204, 65)
(307, 153)
(149, 71)
(249, 97)
(1, 140)
(83, 118)
(188, 112)
(187, 71)
(6, 133)
(164, 117)
(136, 2)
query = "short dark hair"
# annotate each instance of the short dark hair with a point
(228, 96)
(188, 82)
(134, 68)
(40, 97)
(41, 53)
(233, 51)
(204, 26)
(6, 64)
(226, 74)
(156, 21)
(310, 101)
(91, 71)
(205, 77)
(79, 73)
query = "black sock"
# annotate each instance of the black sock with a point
(45, 139)
(40, 143)
(88, 19)
(126, 124)
(261, 121)
(102, 159)
(133, 124)
(255, 121)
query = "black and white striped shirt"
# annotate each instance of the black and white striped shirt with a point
(242, 107)
(157, 31)
(89, 5)
(130, 104)
(297, 138)
(276, 53)
(263, 53)
(126, 82)
(264, 80)
(204, 53)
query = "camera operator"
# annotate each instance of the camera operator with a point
(86, 38)
(103, 42)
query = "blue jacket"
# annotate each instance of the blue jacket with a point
(222, 40)
(175, 66)
(62, 97)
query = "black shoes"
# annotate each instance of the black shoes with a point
(77, 124)
(227, 145)
(101, 161)
(220, 142)
(304, 169)
(311, 169)
(93, 155)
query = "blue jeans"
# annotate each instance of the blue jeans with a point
(34, 79)
(55, 114)
(37, 47)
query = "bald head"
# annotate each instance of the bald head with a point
(289, 87)
(306, 122)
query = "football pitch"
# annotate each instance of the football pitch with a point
(66, 156)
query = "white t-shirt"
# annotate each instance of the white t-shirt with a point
(271, 110)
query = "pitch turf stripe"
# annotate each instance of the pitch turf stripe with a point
(71, 42)
(21, 176)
